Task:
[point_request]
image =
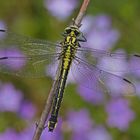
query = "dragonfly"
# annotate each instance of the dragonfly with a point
(27, 57)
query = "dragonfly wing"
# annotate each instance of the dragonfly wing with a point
(27, 45)
(107, 60)
(31, 66)
(94, 78)
(24, 56)
(102, 53)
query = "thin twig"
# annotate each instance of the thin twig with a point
(49, 101)
(81, 13)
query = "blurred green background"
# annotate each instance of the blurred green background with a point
(31, 18)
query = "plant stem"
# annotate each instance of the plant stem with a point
(49, 101)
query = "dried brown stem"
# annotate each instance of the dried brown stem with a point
(81, 13)
(49, 101)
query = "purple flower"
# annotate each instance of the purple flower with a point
(51, 69)
(10, 50)
(134, 66)
(27, 110)
(61, 8)
(9, 134)
(88, 87)
(10, 98)
(94, 96)
(2, 26)
(119, 114)
(55, 135)
(101, 35)
(99, 133)
(87, 23)
(137, 86)
(80, 136)
(101, 22)
(119, 66)
(79, 121)
(27, 134)
(80, 124)
(11, 64)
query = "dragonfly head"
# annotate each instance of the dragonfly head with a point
(74, 32)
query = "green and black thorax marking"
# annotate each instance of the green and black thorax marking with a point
(72, 37)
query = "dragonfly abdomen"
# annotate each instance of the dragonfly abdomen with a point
(66, 63)
(58, 99)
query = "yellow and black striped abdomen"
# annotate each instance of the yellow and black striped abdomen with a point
(68, 53)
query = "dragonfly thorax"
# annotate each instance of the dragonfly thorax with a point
(71, 34)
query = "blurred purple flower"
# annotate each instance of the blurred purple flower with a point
(61, 8)
(101, 35)
(80, 136)
(116, 65)
(94, 96)
(51, 69)
(27, 110)
(57, 133)
(10, 98)
(137, 86)
(12, 64)
(119, 114)
(27, 134)
(100, 22)
(2, 26)
(134, 66)
(87, 23)
(99, 133)
(79, 121)
(88, 87)
(9, 134)
(82, 128)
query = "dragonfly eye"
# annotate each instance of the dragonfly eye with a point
(68, 30)
(77, 33)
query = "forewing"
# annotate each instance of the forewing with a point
(24, 56)
(102, 53)
(111, 60)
